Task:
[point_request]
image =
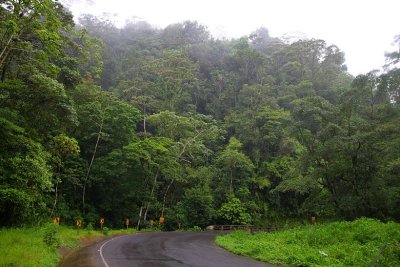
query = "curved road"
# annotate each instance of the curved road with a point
(168, 249)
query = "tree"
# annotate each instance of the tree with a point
(106, 124)
(157, 157)
(236, 168)
(35, 34)
(263, 42)
(21, 28)
(188, 32)
(250, 64)
(24, 174)
(389, 81)
(197, 207)
(195, 134)
(43, 103)
(60, 147)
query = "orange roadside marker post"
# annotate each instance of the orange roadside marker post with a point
(127, 223)
(56, 220)
(162, 220)
(101, 223)
(313, 219)
(78, 225)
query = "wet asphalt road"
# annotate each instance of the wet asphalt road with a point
(168, 249)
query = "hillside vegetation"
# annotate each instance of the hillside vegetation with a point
(364, 242)
(140, 123)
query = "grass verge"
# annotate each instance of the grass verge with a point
(38, 246)
(364, 242)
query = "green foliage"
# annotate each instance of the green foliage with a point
(105, 231)
(181, 125)
(236, 168)
(60, 147)
(196, 207)
(89, 228)
(364, 242)
(26, 246)
(25, 175)
(62, 144)
(155, 154)
(43, 103)
(234, 212)
(195, 229)
(50, 237)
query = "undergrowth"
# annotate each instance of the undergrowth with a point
(364, 242)
(37, 246)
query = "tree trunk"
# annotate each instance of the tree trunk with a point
(4, 53)
(140, 217)
(90, 165)
(56, 193)
(144, 120)
(4, 70)
(55, 201)
(151, 195)
(231, 185)
(165, 196)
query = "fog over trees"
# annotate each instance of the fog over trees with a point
(141, 123)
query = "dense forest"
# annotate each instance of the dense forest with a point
(141, 123)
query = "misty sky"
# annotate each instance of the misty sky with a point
(364, 30)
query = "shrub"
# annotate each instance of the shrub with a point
(50, 236)
(89, 228)
(106, 231)
(234, 212)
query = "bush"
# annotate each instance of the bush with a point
(195, 229)
(234, 212)
(106, 231)
(89, 228)
(196, 207)
(50, 236)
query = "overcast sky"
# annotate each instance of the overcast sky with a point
(363, 29)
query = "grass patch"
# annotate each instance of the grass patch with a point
(364, 242)
(37, 247)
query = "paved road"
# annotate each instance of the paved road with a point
(160, 250)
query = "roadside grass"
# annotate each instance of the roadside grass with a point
(364, 242)
(37, 246)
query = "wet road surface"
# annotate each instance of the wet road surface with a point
(168, 249)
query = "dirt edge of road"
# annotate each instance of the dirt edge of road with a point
(81, 256)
